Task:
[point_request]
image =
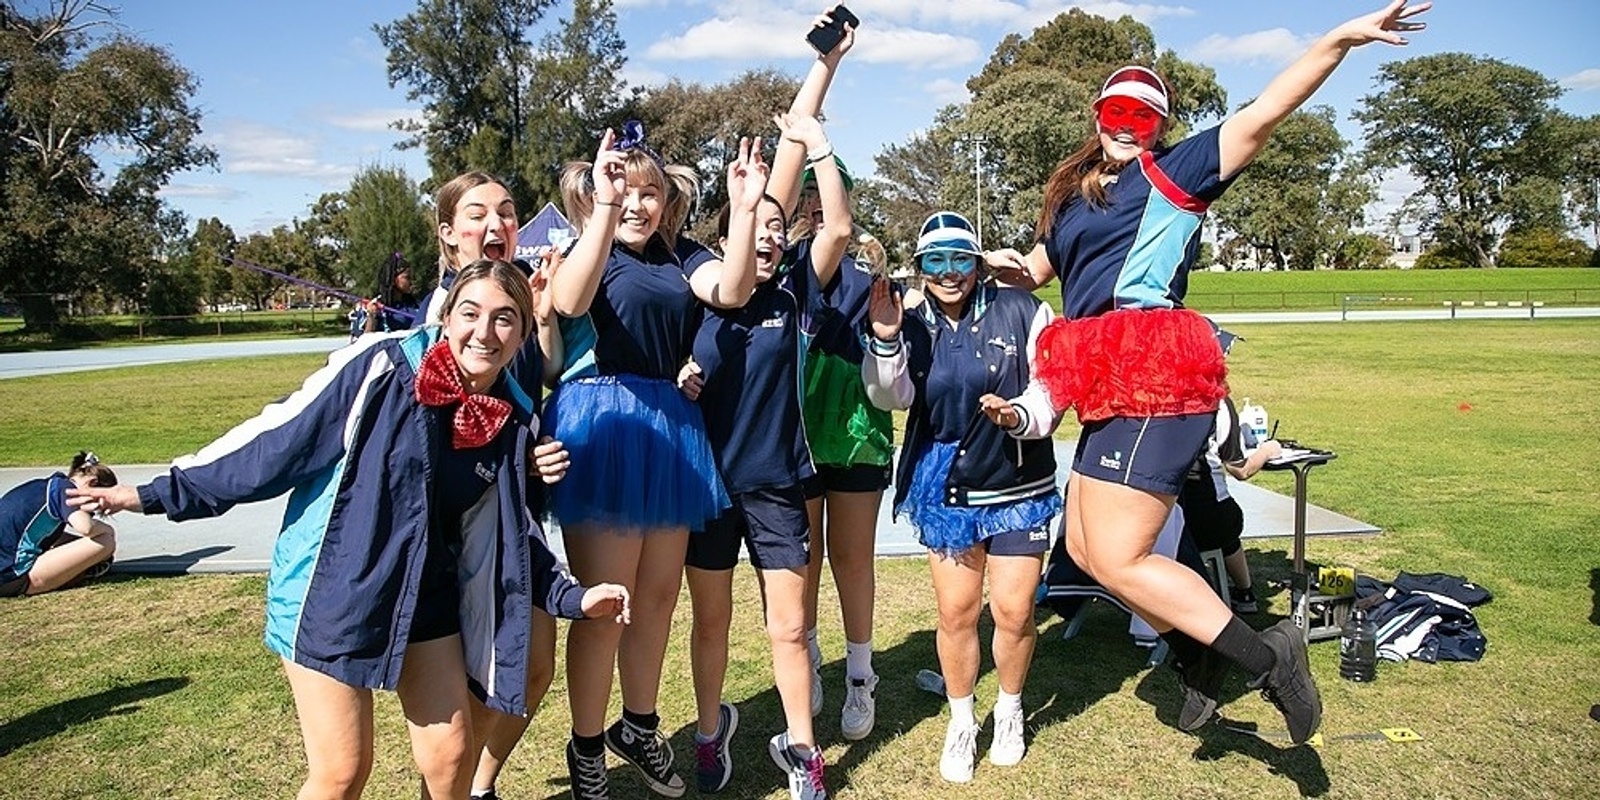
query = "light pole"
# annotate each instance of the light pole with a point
(977, 180)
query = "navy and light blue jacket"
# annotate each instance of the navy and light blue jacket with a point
(30, 514)
(358, 454)
(938, 370)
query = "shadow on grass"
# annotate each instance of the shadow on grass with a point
(53, 719)
(1594, 595)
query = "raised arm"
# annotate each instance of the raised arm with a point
(790, 159)
(730, 282)
(573, 287)
(829, 243)
(1012, 268)
(1246, 132)
(884, 368)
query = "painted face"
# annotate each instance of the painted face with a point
(1126, 122)
(950, 276)
(641, 214)
(484, 329)
(484, 225)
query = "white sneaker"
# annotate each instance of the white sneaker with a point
(1008, 746)
(860, 709)
(960, 751)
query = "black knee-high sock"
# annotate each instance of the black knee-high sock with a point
(1243, 645)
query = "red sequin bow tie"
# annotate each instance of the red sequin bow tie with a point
(479, 417)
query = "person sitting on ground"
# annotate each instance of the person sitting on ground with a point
(1211, 517)
(44, 544)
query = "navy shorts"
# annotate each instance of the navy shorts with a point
(854, 478)
(438, 611)
(772, 524)
(1018, 543)
(1149, 453)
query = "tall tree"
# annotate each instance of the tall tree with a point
(1467, 128)
(1294, 206)
(468, 62)
(699, 125)
(913, 181)
(71, 87)
(576, 91)
(211, 244)
(384, 213)
(1030, 106)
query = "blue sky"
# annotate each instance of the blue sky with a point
(295, 98)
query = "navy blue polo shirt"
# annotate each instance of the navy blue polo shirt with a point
(1136, 252)
(751, 361)
(837, 322)
(643, 317)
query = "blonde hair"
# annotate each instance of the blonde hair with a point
(507, 276)
(868, 250)
(678, 184)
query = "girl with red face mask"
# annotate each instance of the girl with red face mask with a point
(1121, 227)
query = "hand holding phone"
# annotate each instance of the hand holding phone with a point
(823, 38)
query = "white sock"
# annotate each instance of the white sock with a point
(961, 711)
(1007, 703)
(858, 659)
(815, 649)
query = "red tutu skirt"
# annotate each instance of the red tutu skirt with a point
(1157, 362)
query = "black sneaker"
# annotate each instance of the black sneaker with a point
(649, 751)
(1243, 600)
(713, 766)
(1202, 682)
(1288, 685)
(587, 773)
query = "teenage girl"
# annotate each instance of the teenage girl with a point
(644, 474)
(44, 543)
(1120, 226)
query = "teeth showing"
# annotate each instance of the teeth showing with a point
(480, 350)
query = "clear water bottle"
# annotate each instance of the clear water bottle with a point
(1358, 648)
(930, 681)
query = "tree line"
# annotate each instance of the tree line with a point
(518, 88)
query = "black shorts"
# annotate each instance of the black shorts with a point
(772, 524)
(14, 585)
(854, 478)
(1149, 453)
(1213, 524)
(1018, 543)
(438, 611)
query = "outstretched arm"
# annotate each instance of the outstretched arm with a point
(789, 160)
(828, 246)
(730, 282)
(1246, 132)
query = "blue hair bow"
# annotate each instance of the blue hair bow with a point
(633, 139)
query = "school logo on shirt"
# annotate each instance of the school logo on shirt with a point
(1113, 461)
(772, 322)
(1007, 348)
(484, 472)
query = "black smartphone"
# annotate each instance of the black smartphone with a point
(826, 37)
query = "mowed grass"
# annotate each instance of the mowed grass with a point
(1470, 443)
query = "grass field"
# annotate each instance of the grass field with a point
(1470, 444)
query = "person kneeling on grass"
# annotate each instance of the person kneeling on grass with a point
(376, 584)
(44, 543)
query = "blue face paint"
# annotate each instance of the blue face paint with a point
(939, 264)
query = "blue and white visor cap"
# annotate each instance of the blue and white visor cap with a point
(1138, 83)
(948, 230)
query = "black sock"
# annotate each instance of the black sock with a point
(589, 746)
(1242, 645)
(1185, 650)
(642, 721)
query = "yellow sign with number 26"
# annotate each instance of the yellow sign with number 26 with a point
(1337, 581)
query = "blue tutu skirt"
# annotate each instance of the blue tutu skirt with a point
(955, 529)
(639, 455)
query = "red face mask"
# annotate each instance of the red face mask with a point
(1118, 114)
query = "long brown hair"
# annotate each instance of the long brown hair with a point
(504, 275)
(445, 202)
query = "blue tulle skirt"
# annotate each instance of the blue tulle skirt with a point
(955, 529)
(639, 455)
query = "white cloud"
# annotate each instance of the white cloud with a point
(1042, 11)
(201, 191)
(251, 148)
(945, 91)
(1275, 46)
(772, 35)
(372, 120)
(643, 76)
(1585, 81)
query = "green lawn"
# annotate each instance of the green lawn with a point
(1469, 443)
